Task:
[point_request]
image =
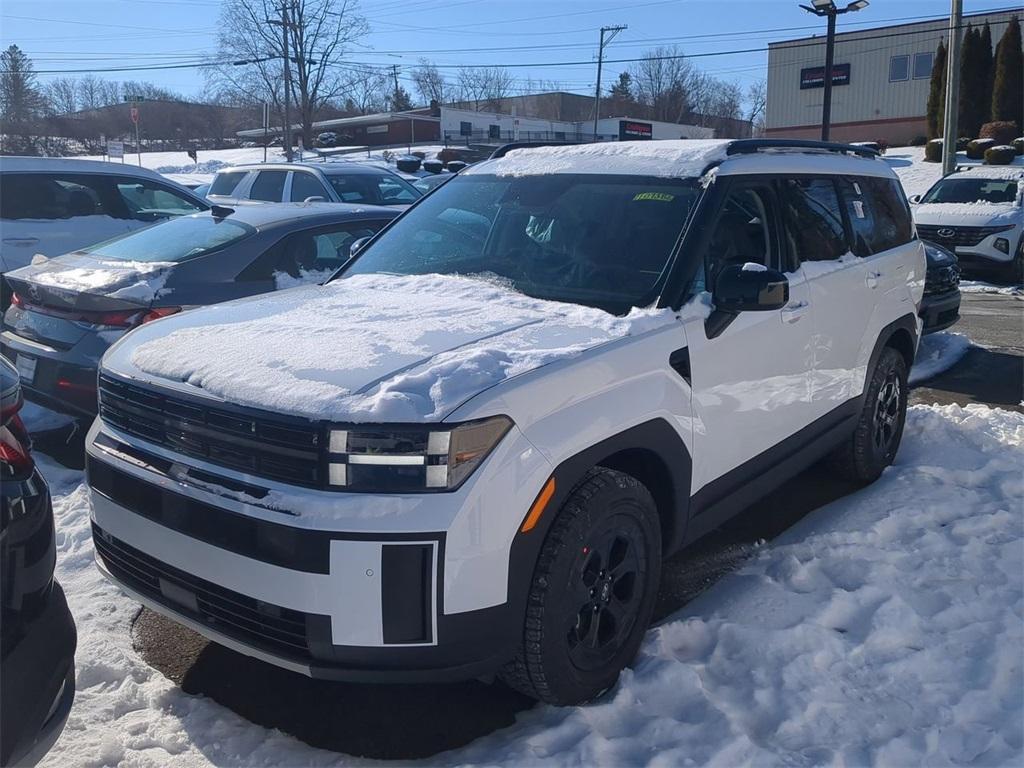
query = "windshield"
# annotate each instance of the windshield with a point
(598, 240)
(373, 189)
(173, 240)
(966, 190)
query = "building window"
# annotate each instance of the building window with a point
(923, 65)
(465, 128)
(899, 68)
(494, 131)
(559, 135)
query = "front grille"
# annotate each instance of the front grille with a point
(954, 237)
(941, 280)
(270, 627)
(273, 448)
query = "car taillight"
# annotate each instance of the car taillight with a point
(158, 312)
(131, 318)
(17, 301)
(14, 445)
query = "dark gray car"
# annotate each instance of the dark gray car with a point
(67, 311)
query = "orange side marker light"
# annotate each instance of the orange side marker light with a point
(539, 506)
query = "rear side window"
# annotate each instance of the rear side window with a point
(225, 183)
(49, 196)
(814, 219)
(878, 213)
(306, 185)
(147, 201)
(311, 254)
(269, 186)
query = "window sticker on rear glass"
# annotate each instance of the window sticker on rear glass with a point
(661, 197)
(858, 208)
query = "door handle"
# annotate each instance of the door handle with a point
(791, 313)
(872, 279)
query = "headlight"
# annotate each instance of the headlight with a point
(404, 459)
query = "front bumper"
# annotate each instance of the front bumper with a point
(369, 601)
(940, 311)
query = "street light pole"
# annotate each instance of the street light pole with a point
(600, 60)
(949, 127)
(830, 11)
(287, 128)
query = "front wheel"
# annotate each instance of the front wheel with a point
(874, 443)
(592, 593)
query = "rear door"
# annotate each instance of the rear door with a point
(816, 231)
(750, 381)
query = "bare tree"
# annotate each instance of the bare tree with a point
(485, 87)
(251, 36)
(663, 81)
(61, 95)
(757, 99)
(430, 83)
(367, 92)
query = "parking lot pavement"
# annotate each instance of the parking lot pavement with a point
(407, 722)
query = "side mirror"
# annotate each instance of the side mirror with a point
(358, 245)
(915, 199)
(750, 288)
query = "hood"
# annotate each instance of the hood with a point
(968, 214)
(79, 281)
(938, 256)
(367, 348)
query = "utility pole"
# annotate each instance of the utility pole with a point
(284, 23)
(600, 61)
(394, 73)
(949, 126)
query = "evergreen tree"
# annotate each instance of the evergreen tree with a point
(936, 112)
(986, 71)
(620, 98)
(1008, 82)
(401, 100)
(21, 101)
(970, 115)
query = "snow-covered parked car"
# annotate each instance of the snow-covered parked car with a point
(978, 213)
(340, 182)
(51, 206)
(940, 306)
(469, 451)
(67, 311)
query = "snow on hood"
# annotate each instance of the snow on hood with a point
(670, 159)
(370, 347)
(994, 214)
(137, 281)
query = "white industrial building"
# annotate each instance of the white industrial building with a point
(880, 80)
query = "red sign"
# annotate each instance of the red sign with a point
(632, 130)
(135, 114)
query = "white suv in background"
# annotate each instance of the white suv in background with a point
(469, 452)
(52, 206)
(978, 212)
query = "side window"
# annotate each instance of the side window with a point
(306, 185)
(49, 197)
(147, 201)
(309, 256)
(814, 219)
(744, 231)
(391, 191)
(269, 186)
(225, 183)
(878, 213)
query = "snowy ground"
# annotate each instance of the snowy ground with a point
(938, 352)
(979, 286)
(885, 628)
(916, 175)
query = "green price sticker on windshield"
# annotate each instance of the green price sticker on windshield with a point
(661, 197)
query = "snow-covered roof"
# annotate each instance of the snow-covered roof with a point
(1012, 172)
(680, 158)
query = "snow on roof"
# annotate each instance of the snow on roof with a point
(368, 348)
(670, 158)
(1012, 172)
(71, 165)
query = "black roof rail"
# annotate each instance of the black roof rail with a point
(750, 146)
(504, 149)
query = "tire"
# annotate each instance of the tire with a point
(874, 442)
(584, 622)
(1016, 271)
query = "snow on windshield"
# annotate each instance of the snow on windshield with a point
(376, 347)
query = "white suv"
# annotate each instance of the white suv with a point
(470, 451)
(978, 213)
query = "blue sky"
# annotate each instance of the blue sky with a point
(97, 34)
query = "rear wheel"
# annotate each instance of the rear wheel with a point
(592, 593)
(874, 443)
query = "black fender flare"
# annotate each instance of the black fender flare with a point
(901, 334)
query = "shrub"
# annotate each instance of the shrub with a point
(883, 146)
(933, 151)
(1018, 144)
(919, 141)
(976, 149)
(1001, 131)
(433, 166)
(419, 153)
(961, 144)
(1001, 155)
(408, 164)
(448, 153)
(388, 156)
(456, 165)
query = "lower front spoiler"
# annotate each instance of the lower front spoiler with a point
(481, 668)
(940, 312)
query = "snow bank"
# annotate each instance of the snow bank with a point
(374, 347)
(283, 280)
(980, 286)
(936, 353)
(676, 159)
(883, 629)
